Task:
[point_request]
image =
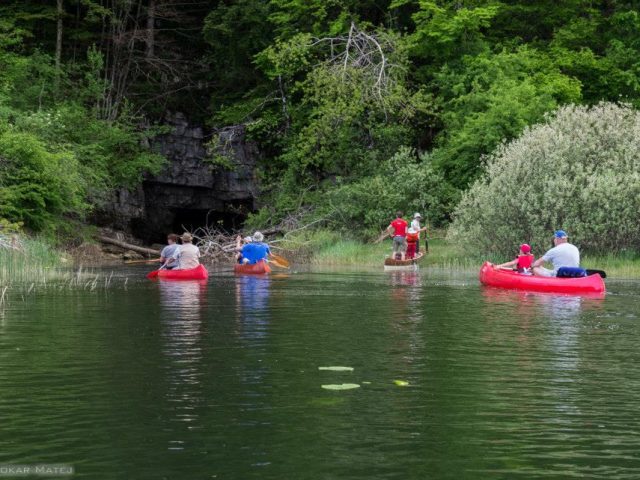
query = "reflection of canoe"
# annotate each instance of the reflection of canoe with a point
(198, 273)
(256, 269)
(391, 264)
(513, 280)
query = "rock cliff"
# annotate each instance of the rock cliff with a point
(191, 191)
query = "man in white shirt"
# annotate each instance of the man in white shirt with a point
(415, 224)
(563, 254)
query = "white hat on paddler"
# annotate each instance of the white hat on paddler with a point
(258, 236)
(417, 215)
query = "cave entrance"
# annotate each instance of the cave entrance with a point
(190, 219)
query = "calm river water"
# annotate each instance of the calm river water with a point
(182, 380)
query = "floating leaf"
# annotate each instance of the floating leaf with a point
(337, 369)
(341, 386)
(401, 383)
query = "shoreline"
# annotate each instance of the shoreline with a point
(39, 261)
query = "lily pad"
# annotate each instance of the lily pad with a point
(401, 383)
(337, 369)
(341, 386)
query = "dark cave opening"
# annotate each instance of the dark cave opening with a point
(190, 219)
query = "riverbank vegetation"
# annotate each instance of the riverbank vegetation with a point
(358, 108)
(28, 260)
(326, 249)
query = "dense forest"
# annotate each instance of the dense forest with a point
(359, 107)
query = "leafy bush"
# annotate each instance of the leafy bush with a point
(579, 171)
(405, 182)
(37, 186)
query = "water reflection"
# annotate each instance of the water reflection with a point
(182, 303)
(529, 304)
(183, 298)
(252, 300)
(555, 355)
(407, 314)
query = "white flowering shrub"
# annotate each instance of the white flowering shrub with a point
(578, 171)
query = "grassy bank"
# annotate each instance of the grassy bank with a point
(33, 261)
(330, 249)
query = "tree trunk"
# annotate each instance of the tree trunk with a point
(151, 18)
(60, 12)
(128, 246)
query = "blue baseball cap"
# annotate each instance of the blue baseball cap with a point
(560, 234)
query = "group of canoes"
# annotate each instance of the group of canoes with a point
(182, 262)
(524, 272)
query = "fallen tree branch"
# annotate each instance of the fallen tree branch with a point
(128, 246)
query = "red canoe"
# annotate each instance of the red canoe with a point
(198, 273)
(259, 268)
(513, 280)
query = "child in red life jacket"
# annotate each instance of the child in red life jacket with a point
(522, 262)
(412, 241)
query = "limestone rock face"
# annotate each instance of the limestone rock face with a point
(191, 190)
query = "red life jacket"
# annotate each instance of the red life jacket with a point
(524, 261)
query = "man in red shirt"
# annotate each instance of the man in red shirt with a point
(398, 231)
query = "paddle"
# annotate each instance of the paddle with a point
(602, 273)
(154, 274)
(279, 261)
(149, 260)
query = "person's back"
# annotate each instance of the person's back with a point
(170, 251)
(188, 254)
(563, 255)
(254, 252)
(399, 226)
(524, 262)
(398, 231)
(412, 242)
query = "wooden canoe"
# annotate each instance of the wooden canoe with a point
(391, 264)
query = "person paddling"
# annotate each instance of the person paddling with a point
(398, 231)
(188, 255)
(522, 262)
(563, 254)
(166, 256)
(255, 251)
(240, 242)
(415, 224)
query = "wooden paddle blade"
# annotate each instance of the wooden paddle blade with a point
(152, 275)
(279, 261)
(602, 273)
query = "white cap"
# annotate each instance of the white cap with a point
(417, 215)
(258, 237)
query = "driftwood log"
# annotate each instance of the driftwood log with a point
(128, 246)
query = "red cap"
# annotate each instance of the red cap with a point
(525, 247)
